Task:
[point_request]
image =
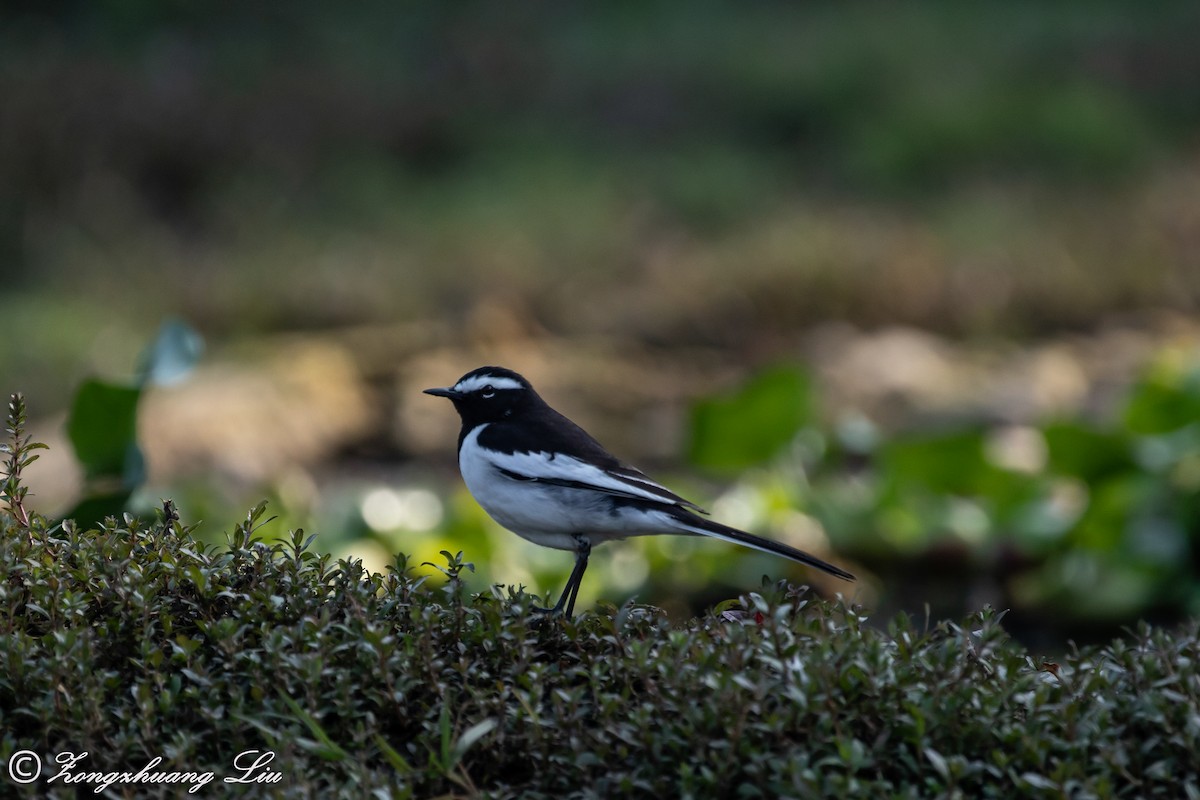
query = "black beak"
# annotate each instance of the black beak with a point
(453, 395)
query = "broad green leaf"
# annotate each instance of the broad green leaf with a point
(947, 462)
(752, 425)
(1164, 401)
(1086, 452)
(103, 430)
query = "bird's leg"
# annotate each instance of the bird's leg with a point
(566, 601)
(581, 561)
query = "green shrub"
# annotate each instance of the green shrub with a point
(132, 641)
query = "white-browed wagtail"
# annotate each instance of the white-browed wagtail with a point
(544, 478)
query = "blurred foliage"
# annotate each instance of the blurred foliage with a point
(102, 425)
(1080, 521)
(862, 89)
(749, 427)
(1167, 401)
(103, 431)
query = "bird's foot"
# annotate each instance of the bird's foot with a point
(542, 611)
(566, 601)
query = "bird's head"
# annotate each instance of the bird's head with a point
(488, 394)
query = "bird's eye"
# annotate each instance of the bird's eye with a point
(488, 391)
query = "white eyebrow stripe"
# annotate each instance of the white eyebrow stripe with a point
(476, 382)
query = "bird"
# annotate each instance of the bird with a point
(544, 478)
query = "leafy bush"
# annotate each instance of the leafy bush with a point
(132, 641)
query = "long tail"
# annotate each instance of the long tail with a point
(706, 527)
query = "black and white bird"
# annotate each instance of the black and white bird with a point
(545, 479)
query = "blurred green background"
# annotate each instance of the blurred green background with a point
(912, 286)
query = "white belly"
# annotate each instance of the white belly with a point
(546, 514)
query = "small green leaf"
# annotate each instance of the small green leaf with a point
(1039, 781)
(398, 762)
(469, 737)
(938, 762)
(329, 750)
